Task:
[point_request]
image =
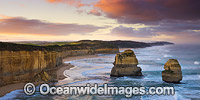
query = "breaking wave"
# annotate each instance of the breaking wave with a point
(196, 63)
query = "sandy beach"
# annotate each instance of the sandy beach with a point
(59, 71)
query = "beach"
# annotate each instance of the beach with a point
(59, 72)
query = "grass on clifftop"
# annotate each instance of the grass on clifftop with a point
(82, 44)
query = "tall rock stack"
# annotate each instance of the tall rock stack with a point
(172, 72)
(126, 65)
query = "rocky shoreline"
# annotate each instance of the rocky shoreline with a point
(21, 63)
(23, 66)
(125, 64)
(56, 73)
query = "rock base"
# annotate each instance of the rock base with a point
(171, 77)
(126, 71)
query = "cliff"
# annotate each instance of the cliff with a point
(97, 44)
(160, 43)
(125, 65)
(22, 63)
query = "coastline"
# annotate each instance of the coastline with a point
(59, 72)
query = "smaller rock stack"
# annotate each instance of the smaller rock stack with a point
(126, 65)
(172, 72)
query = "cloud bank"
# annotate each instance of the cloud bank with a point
(169, 17)
(76, 3)
(25, 26)
(150, 11)
(133, 32)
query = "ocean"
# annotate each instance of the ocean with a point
(151, 60)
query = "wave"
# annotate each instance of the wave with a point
(196, 63)
(167, 55)
(158, 59)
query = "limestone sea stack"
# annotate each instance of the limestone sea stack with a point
(172, 72)
(125, 64)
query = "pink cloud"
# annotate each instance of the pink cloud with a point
(76, 3)
(18, 25)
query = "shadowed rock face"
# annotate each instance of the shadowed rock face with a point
(125, 65)
(172, 72)
(42, 76)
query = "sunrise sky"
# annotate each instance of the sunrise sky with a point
(175, 21)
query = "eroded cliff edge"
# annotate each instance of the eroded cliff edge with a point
(21, 63)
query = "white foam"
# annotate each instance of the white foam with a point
(196, 63)
(167, 55)
(158, 59)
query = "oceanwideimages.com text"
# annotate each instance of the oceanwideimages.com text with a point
(127, 91)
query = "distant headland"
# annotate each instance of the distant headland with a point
(75, 45)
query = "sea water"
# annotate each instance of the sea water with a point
(151, 60)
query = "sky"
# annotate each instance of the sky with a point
(175, 21)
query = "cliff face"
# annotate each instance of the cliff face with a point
(126, 58)
(126, 65)
(18, 66)
(107, 50)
